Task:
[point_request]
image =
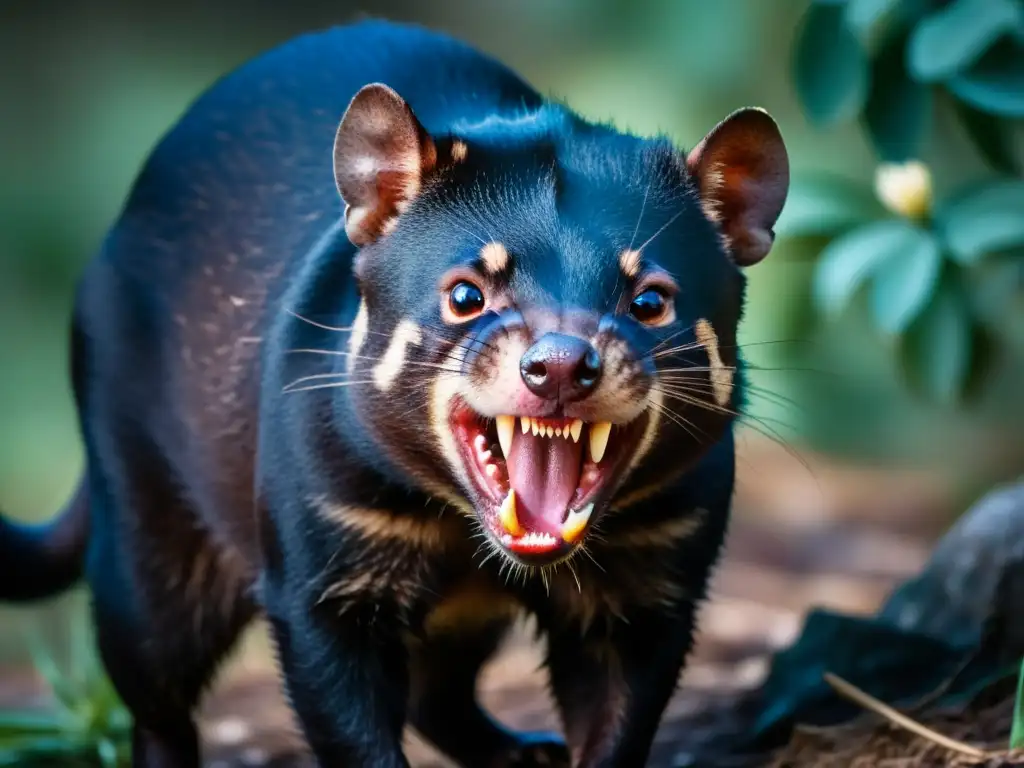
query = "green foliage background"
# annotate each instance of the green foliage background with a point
(921, 367)
(885, 62)
(936, 86)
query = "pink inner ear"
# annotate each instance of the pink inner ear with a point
(742, 171)
(381, 153)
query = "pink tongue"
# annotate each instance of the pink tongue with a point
(545, 473)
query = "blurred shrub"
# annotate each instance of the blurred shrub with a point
(918, 254)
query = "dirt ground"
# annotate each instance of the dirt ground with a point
(818, 535)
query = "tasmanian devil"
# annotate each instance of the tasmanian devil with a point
(393, 380)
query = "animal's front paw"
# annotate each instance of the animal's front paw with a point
(536, 750)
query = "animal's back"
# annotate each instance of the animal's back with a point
(172, 312)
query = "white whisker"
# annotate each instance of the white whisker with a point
(315, 324)
(328, 386)
(470, 233)
(643, 207)
(664, 226)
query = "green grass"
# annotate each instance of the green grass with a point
(1017, 731)
(88, 726)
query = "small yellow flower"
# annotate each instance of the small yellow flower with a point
(905, 188)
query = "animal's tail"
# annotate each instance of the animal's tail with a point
(38, 561)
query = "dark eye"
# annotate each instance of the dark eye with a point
(650, 307)
(465, 300)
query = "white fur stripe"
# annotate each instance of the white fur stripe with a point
(391, 364)
(721, 374)
(357, 337)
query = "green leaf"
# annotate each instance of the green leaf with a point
(63, 750)
(983, 220)
(107, 752)
(865, 17)
(63, 689)
(904, 283)
(996, 83)
(991, 136)
(1017, 728)
(951, 39)
(938, 346)
(826, 205)
(994, 289)
(899, 108)
(850, 259)
(14, 723)
(830, 68)
(912, 11)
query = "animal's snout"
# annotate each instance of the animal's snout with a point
(561, 367)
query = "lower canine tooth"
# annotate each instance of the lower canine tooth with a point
(506, 428)
(507, 514)
(577, 521)
(599, 432)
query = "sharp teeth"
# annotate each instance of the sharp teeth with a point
(507, 514)
(484, 456)
(491, 470)
(558, 432)
(525, 424)
(480, 443)
(576, 522)
(575, 429)
(538, 539)
(536, 429)
(506, 428)
(551, 431)
(599, 432)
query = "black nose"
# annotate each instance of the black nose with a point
(562, 367)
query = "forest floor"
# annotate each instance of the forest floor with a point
(814, 535)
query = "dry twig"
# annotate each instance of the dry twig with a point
(856, 695)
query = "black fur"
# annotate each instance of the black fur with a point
(213, 494)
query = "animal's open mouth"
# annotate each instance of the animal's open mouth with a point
(541, 479)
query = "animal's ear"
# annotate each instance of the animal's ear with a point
(381, 153)
(742, 171)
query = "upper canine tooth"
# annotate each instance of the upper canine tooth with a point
(507, 514)
(506, 428)
(599, 432)
(575, 429)
(525, 424)
(576, 522)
